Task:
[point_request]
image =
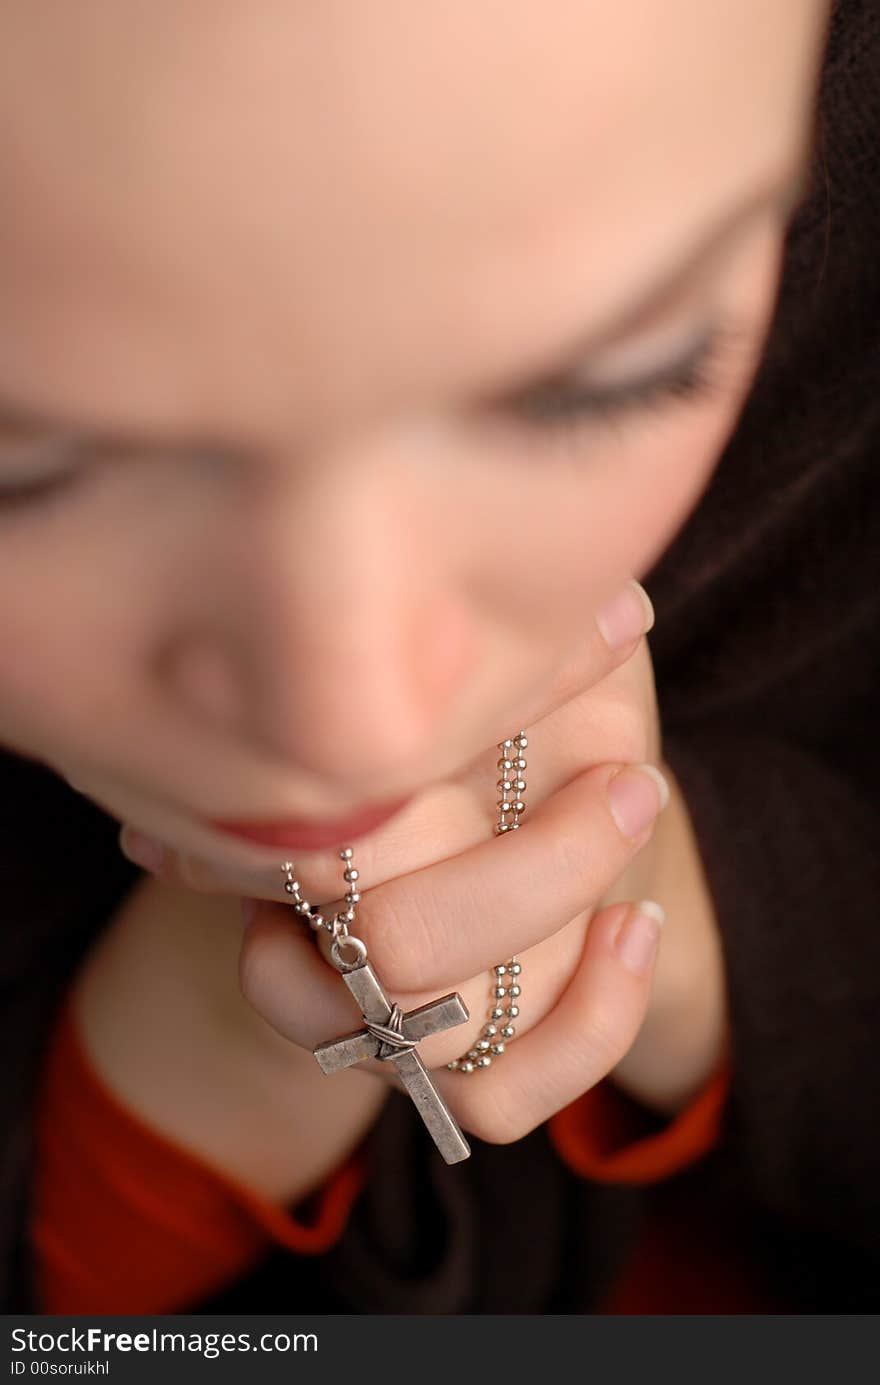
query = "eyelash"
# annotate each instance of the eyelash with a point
(42, 494)
(556, 413)
(561, 413)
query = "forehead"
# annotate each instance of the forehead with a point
(281, 215)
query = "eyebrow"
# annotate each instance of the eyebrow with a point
(785, 196)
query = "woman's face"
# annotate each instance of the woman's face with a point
(297, 303)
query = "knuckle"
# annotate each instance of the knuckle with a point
(494, 1116)
(167, 869)
(400, 941)
(186, 870)
(571, 858)
(628, 732)
(603, 1040)
(500, 1131)
(255, 966)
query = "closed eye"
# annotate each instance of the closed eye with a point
(566, 403)
(42, 465)
(556, 409)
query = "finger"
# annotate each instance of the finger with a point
(197, 873)
(578, 1042)
(564, 740)
(283, 975)
(461, 915)
(295, 988)
(464, 914)
(627, 616)
(611, 636)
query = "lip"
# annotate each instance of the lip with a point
(311, 834)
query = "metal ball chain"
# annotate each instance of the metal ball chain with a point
(498, 1029)
(338, 926)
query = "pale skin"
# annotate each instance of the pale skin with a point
(314, 555)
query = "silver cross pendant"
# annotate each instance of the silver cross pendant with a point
(391, 1036)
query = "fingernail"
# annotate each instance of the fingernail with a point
(626, 616)
(144, 851)
(248, 910)
(639, 935)
(637, 794)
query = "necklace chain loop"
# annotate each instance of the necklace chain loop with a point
(498, 1029)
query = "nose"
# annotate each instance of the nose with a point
(331, 631)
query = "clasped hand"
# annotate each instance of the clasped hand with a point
(444, 899)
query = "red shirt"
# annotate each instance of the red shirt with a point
(105, 1180)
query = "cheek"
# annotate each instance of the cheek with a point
(637, 483)
(602, 513)
(89, 584)
(57, 664)
(76, 597)
(641, 504)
